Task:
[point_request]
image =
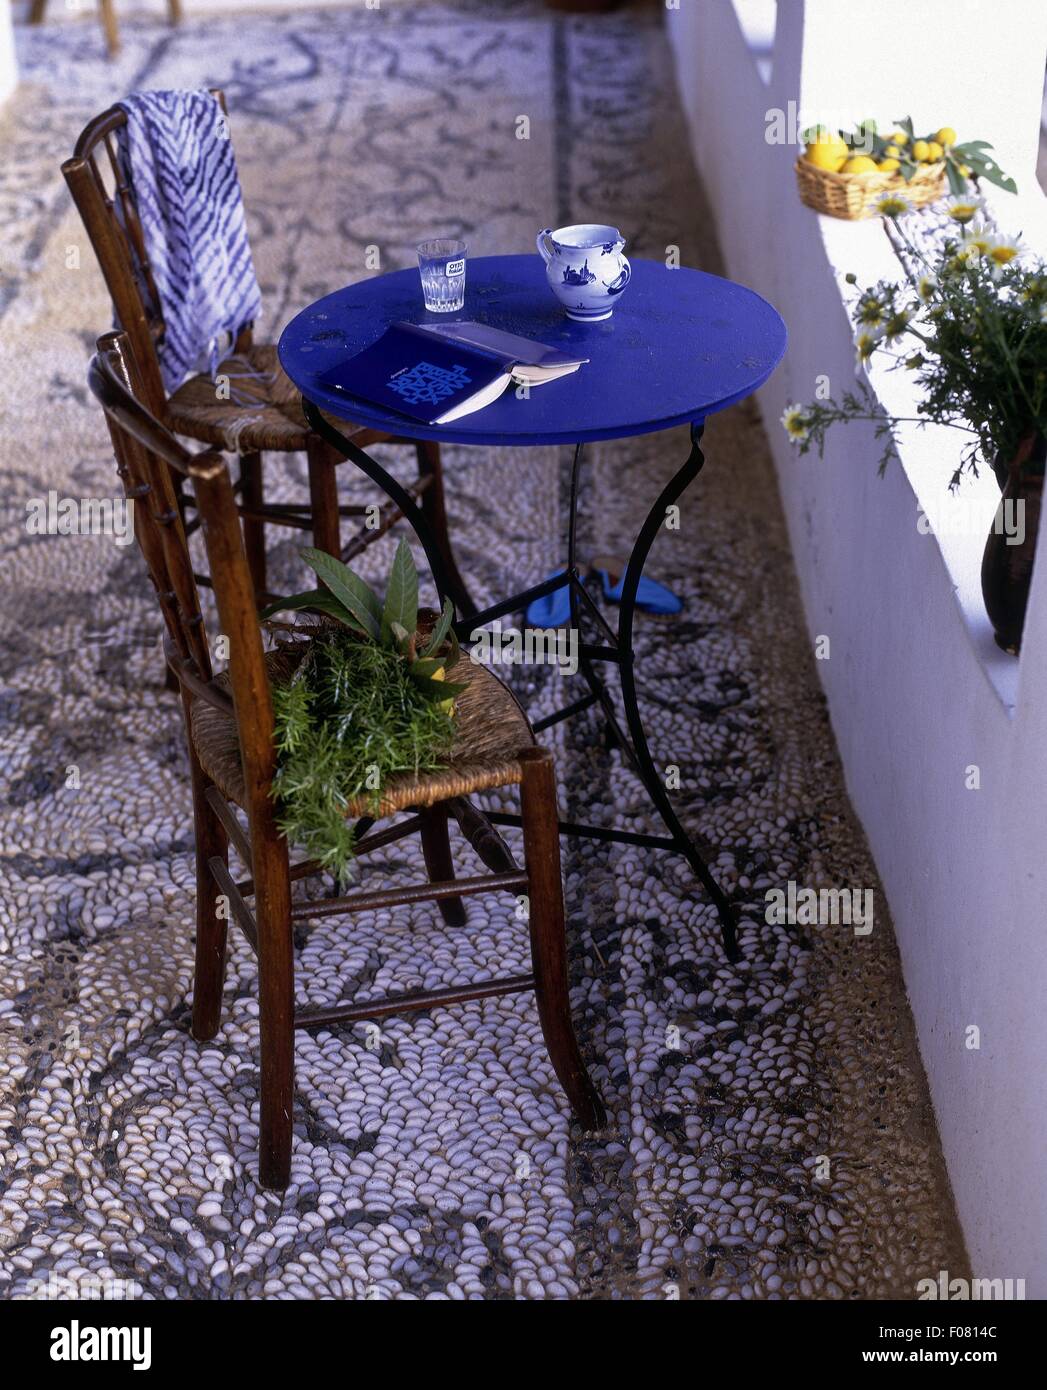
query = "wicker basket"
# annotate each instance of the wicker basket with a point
(853, 196)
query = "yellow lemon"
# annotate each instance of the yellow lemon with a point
(898, 137)
(888, 166)
(964, 170)
(934, 151)
(891, 152)
(921, 151)
(826, 152)
(946, 136)
(859, 164)
(446, 705)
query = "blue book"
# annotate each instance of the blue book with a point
(438, 373)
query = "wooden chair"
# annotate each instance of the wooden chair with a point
(107, 9)
(229, 724)
(277, 424)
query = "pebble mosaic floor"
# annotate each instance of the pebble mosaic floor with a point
(771, 1134)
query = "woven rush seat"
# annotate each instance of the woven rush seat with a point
(491, 729)
(264, 411)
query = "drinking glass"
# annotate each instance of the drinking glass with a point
(441, 264)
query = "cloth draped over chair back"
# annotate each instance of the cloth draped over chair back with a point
(179, 161)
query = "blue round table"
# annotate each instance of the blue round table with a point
(681, 345)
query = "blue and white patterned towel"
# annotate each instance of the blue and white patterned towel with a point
(178, 155)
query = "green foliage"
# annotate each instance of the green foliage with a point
(401, 597)
(972, 329)
(974, 155)
(361, 706)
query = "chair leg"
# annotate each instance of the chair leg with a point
(211, 843)
(323, 495)
(548, 928)
(36, 11)
(174, 11)
(432, 504)
(112, 33)
(251, 495)
(436, 847)
(275, 1005)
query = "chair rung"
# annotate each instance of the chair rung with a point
(297, 523)
(308, 867)
(241, 912)
(402, 1003)
(303, 510)
(592, 832)
(416, 893)
(387, 519)
(230, 824)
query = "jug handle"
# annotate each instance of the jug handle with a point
(623, 277)
(543, 242)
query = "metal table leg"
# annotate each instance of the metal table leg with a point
(646, 769)
(448, 581)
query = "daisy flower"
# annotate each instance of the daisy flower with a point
(896, 324)
(1000, 253)
(965, 256)
(795, 424)
(871, 311)
(866, 343)
(965, 209)
(977, 241)
(891, 205)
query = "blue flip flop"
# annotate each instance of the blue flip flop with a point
(552, 609)
(651, 596)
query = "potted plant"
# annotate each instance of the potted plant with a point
(364, 698)
(970, 324)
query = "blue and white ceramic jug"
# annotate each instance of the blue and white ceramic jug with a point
(585, 268)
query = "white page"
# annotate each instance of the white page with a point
(535, 376)
(477, 402)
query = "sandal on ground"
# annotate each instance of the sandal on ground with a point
(552, 609)
(651, 596)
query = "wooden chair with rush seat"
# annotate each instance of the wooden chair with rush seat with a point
(229, 726)
(272, 422)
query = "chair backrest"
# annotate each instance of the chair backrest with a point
(107, 207)
(147, 456)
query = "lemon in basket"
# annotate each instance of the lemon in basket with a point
(921, 151)
(888, 166)
(946, 136)
(826, 151)
(860, 164)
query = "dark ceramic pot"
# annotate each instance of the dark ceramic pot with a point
(1007, 560)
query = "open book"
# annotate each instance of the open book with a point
(438, 373)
